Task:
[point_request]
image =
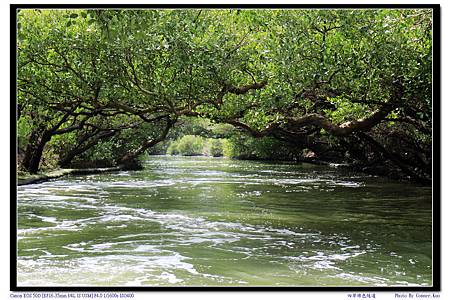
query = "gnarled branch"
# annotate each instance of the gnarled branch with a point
(343, 129)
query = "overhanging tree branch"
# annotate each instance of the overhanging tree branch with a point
(342, 129)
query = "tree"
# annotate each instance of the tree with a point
(57, 76)
(345, 85)
(77, 68)
(337, 77)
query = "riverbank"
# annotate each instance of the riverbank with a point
(23, 179)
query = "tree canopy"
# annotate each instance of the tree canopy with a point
(345, 85)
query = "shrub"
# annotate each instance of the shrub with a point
(188, 145)
(215, 148)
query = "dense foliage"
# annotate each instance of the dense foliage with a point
(105, 86)
(191, 145)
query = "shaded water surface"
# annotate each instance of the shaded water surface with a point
(215, 222)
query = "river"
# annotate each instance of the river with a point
(197, 221)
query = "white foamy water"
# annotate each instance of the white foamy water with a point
(197, 222)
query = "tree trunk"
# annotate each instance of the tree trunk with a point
(79, 149)
(34, 151)
(129, 160)
(408, 167)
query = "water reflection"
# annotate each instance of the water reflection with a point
(204, 221)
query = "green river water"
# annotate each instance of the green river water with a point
(196, 221)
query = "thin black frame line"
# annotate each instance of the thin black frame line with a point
(226, 6)
(436, 144)
(13, 149)
(436, 243)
